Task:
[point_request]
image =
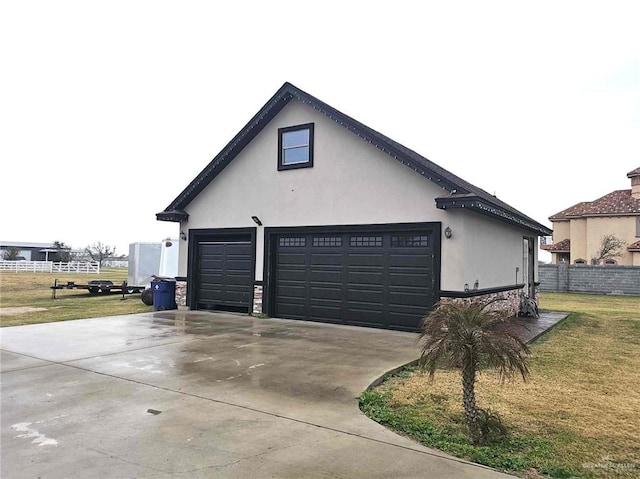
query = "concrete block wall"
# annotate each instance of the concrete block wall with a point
(590, 279)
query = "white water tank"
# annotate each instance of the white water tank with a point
(169, 258)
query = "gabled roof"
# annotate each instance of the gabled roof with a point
(563, 246)
(616, 203)
(634, 246)
(633, 173)
(471, 196)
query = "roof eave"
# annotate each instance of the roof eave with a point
(485, 207)
(172, 215)
(594, 215)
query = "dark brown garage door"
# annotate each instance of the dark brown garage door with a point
(379, 279)
(224, 277)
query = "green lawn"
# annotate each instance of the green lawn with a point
(32, 290)
(577, 416)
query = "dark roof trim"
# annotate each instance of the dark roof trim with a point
(479, 292)
(173, 215)
(409, 158)
(481, 205)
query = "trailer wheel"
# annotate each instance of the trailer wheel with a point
(147, 297)
(93, 290)
(130, 290)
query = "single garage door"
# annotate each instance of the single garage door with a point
(224, 275)
(378, 279)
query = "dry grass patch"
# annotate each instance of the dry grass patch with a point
(582, 399)
(30, 293)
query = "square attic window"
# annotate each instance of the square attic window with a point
(295, 147)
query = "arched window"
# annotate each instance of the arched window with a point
(610, 262)
(579, 261)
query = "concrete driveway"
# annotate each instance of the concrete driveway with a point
(203, 395)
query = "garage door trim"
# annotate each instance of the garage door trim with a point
(196, 236)
(272, 233)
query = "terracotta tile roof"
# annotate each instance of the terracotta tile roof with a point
(634, 246)
(563, 246)
(635, 172)
(619, 202)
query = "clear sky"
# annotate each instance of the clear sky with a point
(109, 109)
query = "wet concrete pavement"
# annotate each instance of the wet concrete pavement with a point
(193, 394)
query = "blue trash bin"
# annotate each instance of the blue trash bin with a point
(164, 295)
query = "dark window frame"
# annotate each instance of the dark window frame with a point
(294, 166)
(638, 226)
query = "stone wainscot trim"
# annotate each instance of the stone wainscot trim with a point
(506, 298)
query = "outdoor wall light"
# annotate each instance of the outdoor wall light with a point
(448, 232)
(256, 220)
(476, 285)
(183, 236)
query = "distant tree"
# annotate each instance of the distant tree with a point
(610, 247)
(99, 252)
(11, 253)
(63, 251)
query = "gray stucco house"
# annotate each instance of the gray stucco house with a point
(309, 214)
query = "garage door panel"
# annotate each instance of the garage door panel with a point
(325, 312)
(287, 309)
(238, 264)
(224, 274)
(326, 259)
(212, 248)
(411, 261)
(236, 280)
(412, 279)
(365, 277)
(211, 263)
(368, 296)
(365, 316)
(316, 292)
(403, 321)
(365, 259)
(406, 298)
(327, 276)
(236, 297)
(291, 290)
(240, 248)
(211, 278)
(289, 258)
(381, 279)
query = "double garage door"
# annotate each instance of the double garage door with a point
(369, 278)
(372, 278)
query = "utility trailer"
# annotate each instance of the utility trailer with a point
(97, 286)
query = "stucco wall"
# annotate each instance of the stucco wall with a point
(561, 230)
(492, 252)
(579, 240)
(622, 227)
(351, 182)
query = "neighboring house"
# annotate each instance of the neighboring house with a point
(32, 251)
(578, 230)
(309, 214)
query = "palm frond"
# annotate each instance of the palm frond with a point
(459, 332)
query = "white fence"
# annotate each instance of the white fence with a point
(50, 267)
(115, 263)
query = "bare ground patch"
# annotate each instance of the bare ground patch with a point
(19, 310)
